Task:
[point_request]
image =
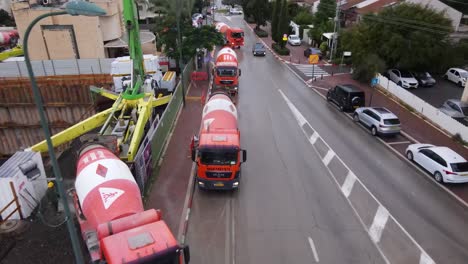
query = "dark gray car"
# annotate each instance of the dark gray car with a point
(258, 49)
(424, 79)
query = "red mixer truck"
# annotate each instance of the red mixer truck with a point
(233, 36)
(227, 71)
(113, 222)
(217, 150)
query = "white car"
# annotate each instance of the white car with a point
(403, 78)
(235, 11)
(443, 163)
(294, 40)
(457, 76)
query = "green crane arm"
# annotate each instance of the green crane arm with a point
(134, 48)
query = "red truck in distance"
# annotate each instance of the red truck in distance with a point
(217, 150)
(233, 36)
(113, 222)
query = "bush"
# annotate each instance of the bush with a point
(281, 51)
(249, 19)
(261, 33)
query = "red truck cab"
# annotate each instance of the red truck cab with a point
(217, 150)
(233, 36)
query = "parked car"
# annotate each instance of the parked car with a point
(378, 119)
(197, 16)
(346, 96)
(443, 163)
(309, 51)
(455, 108)
(235, 11)
(294, 40)
(457, 76)
(403, 78)
(424, 79)
(258, 49)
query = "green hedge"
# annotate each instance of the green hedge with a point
(281, 51)
(261, 33)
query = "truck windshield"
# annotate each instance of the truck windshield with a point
(237, 34)
(219, 157)
(226, 72)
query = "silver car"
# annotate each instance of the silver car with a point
(455, 109)
(378, 119)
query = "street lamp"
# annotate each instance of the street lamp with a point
(74, 8)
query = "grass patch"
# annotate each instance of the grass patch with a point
(261, 33)
(281, 51)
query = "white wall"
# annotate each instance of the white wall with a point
(444, 121)
(5, 5)
(451, 13)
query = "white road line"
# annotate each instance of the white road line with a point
(399, 142)
(425, 259)
(314, 138)
(378, 225)
(330, 154)
(233, 229)
(314, 250)
(299, 117)
(348, 184)
(227, 238)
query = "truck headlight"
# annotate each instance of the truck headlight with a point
(201, 183)
(235, 184)
(235, 88)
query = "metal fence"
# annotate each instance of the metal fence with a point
(14, 69)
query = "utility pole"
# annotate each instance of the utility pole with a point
(179, 38)
(335, 29)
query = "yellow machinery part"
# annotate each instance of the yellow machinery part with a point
(75, 131)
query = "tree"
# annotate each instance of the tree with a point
(367, 67)
(5, 19)
(407, 36)
(233, 2)
(283, 22)
(325, 10)
(259, 10)
(274, 20)
(304, 18)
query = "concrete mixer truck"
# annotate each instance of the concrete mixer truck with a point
(233, 36)
(217, 150)
(114, 225)
(227, 71)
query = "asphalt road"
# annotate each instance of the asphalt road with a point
(288, 209)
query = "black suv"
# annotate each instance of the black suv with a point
(347, 97)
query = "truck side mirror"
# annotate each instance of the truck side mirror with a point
(240, 72)
(187, 254)
(244, 155)
(193, 147)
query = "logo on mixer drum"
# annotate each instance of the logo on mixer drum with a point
(109, 195)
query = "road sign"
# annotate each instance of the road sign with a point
(374, 82)
(285, 37)
(313, 58)
(347, 53)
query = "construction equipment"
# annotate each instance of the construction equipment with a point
(217, 151)
(128, 117)
(110, 211)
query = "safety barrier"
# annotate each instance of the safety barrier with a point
(433, 114)
(199, 76)
(14, 201)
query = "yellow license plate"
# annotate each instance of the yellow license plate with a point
(218, 184)
(464, 174)
(356, 106)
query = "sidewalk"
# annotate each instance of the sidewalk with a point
(418, 128)
(169, 190)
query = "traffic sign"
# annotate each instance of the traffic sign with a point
(313, 58)
(285, 37)
(374, 81)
